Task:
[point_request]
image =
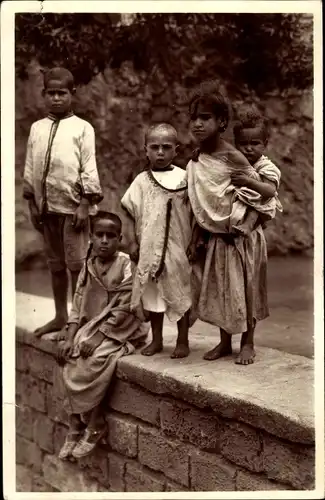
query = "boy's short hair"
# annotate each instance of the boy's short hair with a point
(209, 94)
(249, 116)
(164, 126)
(61, 74)
(103, 215)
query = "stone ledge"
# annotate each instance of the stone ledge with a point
(274, 394)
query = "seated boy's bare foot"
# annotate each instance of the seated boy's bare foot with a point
(152, 349)
(61, 334)
(246, 355)
(180, 351)
(217, 352)
(55, 325)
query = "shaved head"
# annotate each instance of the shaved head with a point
(162, 129)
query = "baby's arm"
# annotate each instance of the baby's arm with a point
(239, 178)
(270, 176)
(264, 187)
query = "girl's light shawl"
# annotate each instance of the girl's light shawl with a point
(213, 196)
(211, 192)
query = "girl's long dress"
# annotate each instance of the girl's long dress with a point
(159, 207)
(101, 304)
(232, 278)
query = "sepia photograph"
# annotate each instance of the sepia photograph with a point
(166, 249)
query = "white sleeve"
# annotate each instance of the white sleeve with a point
(88, 167)
(28, 190)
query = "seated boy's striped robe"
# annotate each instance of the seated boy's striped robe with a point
(102, 304)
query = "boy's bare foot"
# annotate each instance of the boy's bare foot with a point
(61, 334)
(52, 326)
(246, 355)
(152, 349)
(219, 351)
(180, 351)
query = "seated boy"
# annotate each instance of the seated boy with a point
(101, 329)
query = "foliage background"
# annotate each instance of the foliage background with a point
(135, 69)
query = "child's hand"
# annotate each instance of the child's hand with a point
(35, 217)
(239, 179)
(64, 352)
(192, 252)
(87, 348)
(134, 255)
(195, 249)
(80, 217)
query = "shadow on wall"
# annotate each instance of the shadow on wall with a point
(120, 104)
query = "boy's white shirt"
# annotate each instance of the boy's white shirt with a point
(72, 164)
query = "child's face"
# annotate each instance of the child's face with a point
(251, 143)
(204, 124)
(57, 97)
(161, 149)
(105, 239)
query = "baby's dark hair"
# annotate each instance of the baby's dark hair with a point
(210, 95)
(161, 126)
(101, 215)
(249, 116)
(61, 74)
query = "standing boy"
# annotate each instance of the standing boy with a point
(157, 204)
(62, 187)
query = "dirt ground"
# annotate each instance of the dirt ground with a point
(289, 328)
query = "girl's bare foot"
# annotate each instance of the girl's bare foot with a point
(152, 349)
(180, 351)
(55, 325)
(246, 355)
(219, 351)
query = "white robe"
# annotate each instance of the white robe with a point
(147, 201)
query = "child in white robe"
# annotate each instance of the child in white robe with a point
(156, 202)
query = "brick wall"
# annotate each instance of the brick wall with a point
(155, 442)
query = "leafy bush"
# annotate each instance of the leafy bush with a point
(131, 72)
(260, 51)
